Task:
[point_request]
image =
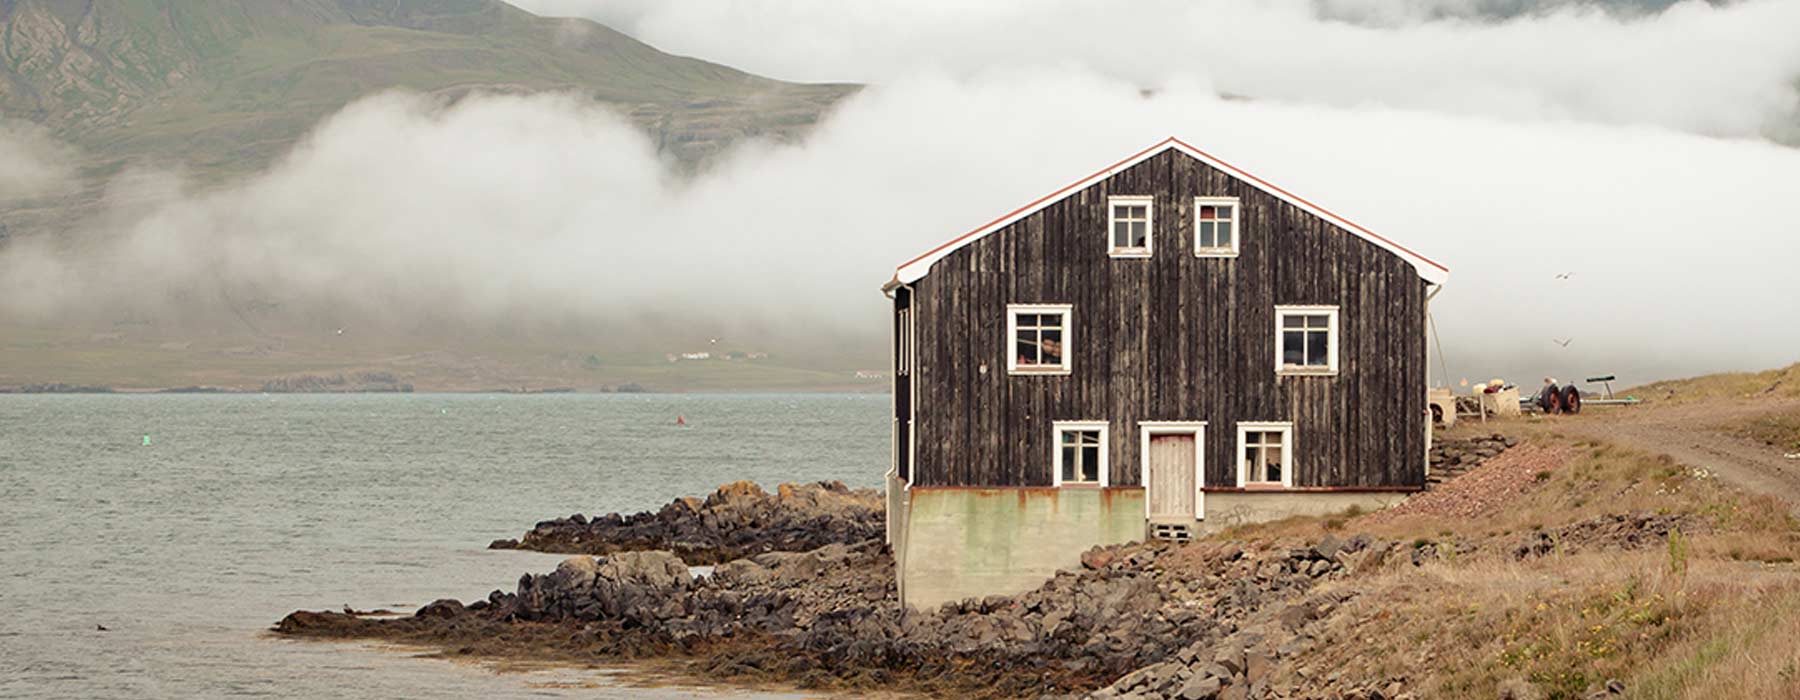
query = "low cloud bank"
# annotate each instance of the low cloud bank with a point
(31, 163)
(1728, 69)
(502, 211)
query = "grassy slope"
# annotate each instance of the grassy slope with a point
(1778, 429)
(1715, 614)
(1774, 383)
(224, 86)
(220, 88)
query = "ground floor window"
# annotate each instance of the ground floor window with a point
(1265, 453)
(1080, 453)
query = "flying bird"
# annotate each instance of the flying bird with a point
(1564, 343)
(1565, 275)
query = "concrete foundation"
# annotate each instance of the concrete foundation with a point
(1225, 509)
(957, 543)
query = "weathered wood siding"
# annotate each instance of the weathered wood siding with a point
(1173, 337)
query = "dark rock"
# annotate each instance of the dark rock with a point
(1328, 547)
(737, 520)
(441, 608)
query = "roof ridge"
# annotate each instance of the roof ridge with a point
(916, 268)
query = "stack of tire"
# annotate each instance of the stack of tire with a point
(1554, 399)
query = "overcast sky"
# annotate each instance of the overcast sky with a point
(1634, 150)
(1627, 142)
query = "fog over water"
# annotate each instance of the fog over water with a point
(1641, 150)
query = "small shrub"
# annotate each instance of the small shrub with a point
(1678, 553)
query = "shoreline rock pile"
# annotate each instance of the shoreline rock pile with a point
(830, 617)
(1453, 458)
(738, 520)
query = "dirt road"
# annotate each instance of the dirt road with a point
(1695, 434)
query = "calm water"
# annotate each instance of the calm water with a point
(243, 508)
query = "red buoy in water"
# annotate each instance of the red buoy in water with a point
(680, 420)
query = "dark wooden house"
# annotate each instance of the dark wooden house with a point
(1166, 346)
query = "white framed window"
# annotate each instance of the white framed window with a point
(1217, 227)
(1128, 226)
(1081, 454)
(1265, 455)
(1037, 338)
(1306, 340)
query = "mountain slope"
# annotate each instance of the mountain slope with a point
(223, 86)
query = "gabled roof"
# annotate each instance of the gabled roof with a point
(914, 269)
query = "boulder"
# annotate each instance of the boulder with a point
(1200, 688)
(658, 570)
(442, 608)
(1097, 558)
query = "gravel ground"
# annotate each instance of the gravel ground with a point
(1695, 435)
(1484, 488)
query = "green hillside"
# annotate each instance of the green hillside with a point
(223, 86)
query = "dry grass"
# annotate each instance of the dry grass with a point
(1776, 383)
(1778, 429)
(1597, 479)
(1705, 615)
(1566, 624)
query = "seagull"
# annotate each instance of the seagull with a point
(1565, 275)
(1564, 343)
(340, 331)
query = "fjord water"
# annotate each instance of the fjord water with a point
(187, 524)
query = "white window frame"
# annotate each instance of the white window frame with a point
(1056, 460)
(1331, 341)
(1287, 453)
(1149, 204)
(1012, 339)
(1159, 427)
(1237, 228)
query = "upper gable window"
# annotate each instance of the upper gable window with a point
(1128, 223)
(1306, 339)
(1039, 338)
(1216, 230)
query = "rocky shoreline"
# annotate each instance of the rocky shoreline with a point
(829, 618)
(1202, 621)
(736, 521)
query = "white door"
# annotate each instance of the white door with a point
(1172, 474)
